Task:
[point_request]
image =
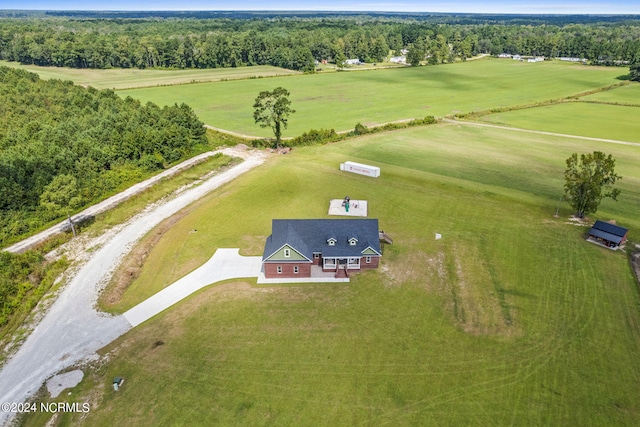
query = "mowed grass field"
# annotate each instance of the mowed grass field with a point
(340, 100)
(610, 114)
(628, 94)
(121, 78)
(510, 319)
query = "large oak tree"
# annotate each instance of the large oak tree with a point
(588, 179)
(272, 109)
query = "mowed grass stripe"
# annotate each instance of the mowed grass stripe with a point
(340, 100)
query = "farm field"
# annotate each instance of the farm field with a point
(340, 100)
(511, 318)
(628, 94)
(576, 118)
(123, 78)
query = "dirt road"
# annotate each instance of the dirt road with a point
(72, 330)
(540, 132)
(107, 204)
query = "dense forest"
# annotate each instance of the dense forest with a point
(63, 146)
(297, 42)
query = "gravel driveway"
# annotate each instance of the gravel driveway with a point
(72, 330)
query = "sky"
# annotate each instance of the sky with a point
(455, 6)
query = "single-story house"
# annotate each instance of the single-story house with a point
(311, 247)
(398, 59)
(607, 234)
(353, 61)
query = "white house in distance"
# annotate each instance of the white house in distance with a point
(398, 59)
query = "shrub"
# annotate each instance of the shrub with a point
(360, 129)
(313, 136)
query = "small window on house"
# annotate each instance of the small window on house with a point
(287, 253)
(331, 242)
(295, 269)
(279, 269)
(316, 255)
(353, 242)
(367, 260)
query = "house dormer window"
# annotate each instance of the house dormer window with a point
(287, 253)
(331, 241)
(353, 241)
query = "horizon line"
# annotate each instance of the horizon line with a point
(326, 11)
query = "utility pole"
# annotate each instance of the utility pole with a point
(73, 228)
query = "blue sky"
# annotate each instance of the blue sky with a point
(488, 6)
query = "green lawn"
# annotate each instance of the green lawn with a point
(121, 78)
(510, 319)
(628, 94)
(577, 118)
(340, 100)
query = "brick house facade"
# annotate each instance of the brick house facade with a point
(298, 247)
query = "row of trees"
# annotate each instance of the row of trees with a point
(63, 146)
(297, 43)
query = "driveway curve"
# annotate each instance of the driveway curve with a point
(72, 330)
(223, 265)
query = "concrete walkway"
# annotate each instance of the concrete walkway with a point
(225, 264)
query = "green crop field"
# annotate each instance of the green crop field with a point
(122, 78)
(512, 318)
(340, 100)
(606, 121)
(628, 94)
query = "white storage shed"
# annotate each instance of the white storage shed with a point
(361, 169)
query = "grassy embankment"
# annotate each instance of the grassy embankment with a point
(511, 318)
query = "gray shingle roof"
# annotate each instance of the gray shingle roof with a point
(310, 235)
(609, 228)
(608, 232)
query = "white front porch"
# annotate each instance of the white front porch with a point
(333, 263)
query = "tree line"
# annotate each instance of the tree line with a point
(63, 146)
(297, 42)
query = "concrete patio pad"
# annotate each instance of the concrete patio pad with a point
(356, 208)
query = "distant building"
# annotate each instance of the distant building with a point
(398, 59)
(504, 55)
(354, 61)
(571, 59)
(606, 234)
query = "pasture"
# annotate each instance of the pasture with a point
(511, 318)
(123, 78)
(340, 100)
(628, 94)
(576, 118)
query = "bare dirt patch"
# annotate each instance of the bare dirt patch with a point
(424, 270)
